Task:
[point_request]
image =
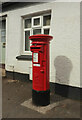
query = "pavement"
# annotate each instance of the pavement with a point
(15, 93)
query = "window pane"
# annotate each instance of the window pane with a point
(28, 23)
(37, 21)
(36, 31)
(46, 31)
(3, 33)
(3, 24)
(46, 20)
(27, 41)
(3, 39)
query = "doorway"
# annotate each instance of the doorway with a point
(3, 41)
(3, 45)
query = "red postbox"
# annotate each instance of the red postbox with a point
(40, 66)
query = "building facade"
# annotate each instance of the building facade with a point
(59, 19)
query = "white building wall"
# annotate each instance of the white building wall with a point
(64, 48)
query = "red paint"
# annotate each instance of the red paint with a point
(40, 45)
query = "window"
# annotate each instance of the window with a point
(35, 25)
(28, 23)
(46, 31)
(36, 31)
(27, 42)
(46, 20)
(37, 21)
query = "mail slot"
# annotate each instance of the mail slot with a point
(36, 48)
(40, 65)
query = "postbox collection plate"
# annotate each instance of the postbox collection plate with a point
(35, 57)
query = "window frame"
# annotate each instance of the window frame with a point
(26, 29)
(24, 38)
(34, 27)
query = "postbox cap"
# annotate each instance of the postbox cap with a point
(41, 37)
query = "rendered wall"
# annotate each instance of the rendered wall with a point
(64, 48)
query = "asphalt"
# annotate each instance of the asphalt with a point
(15, 92)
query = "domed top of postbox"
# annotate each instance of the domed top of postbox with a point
(41, 37)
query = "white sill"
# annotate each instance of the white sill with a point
(27, 53)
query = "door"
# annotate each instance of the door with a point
(3, 41)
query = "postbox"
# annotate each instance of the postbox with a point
(40, 67)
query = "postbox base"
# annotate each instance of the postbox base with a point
(41, 98)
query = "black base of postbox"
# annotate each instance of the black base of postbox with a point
(41, 98)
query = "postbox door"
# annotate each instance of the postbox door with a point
(38, 71)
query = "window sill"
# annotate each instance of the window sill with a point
(24, 57)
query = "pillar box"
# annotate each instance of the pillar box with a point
(40, 66)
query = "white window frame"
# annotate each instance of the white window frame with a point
(31, 30)
(34, 26)
(26, 29)
(29, 52)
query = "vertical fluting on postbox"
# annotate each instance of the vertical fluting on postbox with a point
(40, 66)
